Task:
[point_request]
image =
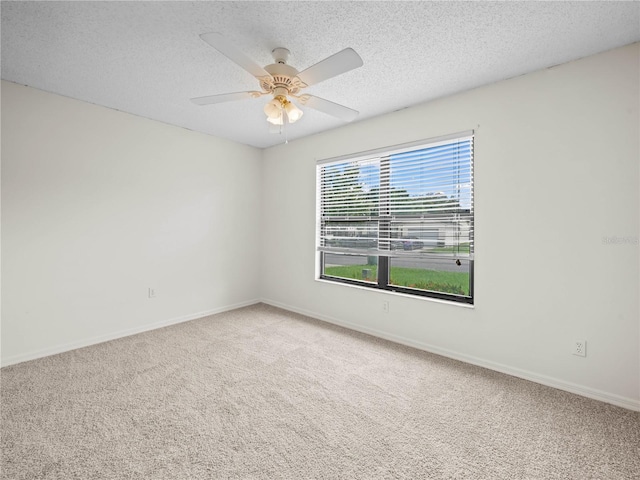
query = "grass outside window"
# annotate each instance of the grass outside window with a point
(456, 283)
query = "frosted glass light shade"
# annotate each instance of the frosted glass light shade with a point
(273, 109)
(293, 112)
(276, 120)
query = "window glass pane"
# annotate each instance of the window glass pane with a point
(432, 234)
(348, 234)
(355, 267)
(441, 275)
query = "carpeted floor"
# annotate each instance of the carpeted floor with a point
(260, 393)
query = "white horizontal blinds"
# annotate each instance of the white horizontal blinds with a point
(414, 201)
(432, 199)
(350, 189)
(349, 206)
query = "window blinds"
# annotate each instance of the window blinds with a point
(410, 200)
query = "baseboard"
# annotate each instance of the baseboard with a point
(119, 334)
(624, 402)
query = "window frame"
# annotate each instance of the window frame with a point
(384, 261)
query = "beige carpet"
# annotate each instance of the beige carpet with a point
(260, 393)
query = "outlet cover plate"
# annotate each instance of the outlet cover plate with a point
(579, 348)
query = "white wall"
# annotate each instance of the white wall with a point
(556, 171)
(98, 206)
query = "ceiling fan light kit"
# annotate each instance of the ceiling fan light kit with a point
(275, 107)
(282, 81)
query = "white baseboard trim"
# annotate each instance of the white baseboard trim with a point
(624, 402)
(119, 334)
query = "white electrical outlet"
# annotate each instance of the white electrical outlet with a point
(152, 292)
(579, 348)
(385, 307)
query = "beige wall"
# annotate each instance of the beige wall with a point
(556, 175)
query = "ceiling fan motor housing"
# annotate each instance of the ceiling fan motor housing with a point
(282, 76)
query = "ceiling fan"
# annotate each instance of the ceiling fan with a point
(284, 82)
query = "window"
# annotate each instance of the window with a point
(400, 219)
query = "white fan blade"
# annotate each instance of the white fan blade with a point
(225, 97)
(330, 108)
(229, 50)
(332, 66)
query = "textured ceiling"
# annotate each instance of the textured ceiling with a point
(146, 58)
